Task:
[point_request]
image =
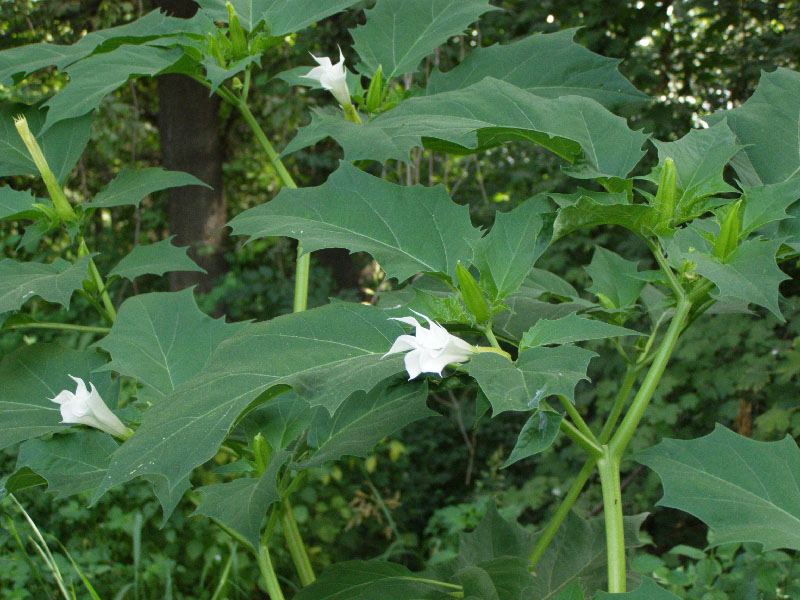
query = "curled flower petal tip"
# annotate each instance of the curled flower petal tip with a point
(429, 350)
(86, 407)
(331, 77)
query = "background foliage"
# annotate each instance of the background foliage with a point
(694, 57)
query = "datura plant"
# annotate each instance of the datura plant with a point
(712, 212)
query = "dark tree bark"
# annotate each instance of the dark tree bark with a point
(190, 142)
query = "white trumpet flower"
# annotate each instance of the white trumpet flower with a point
(86, 407)
(332, 77)
(430, 350)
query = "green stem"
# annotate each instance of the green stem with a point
(576, 436)
(268, 572)
(295, 543)
(62, 326)
(666, 269)
(490, 336)
(561, 513)
(97, 279)
(583, 476)
(619, 403)
(608, 467)
(573, 413)
(623, 435)
(301, 280)
(226, 571)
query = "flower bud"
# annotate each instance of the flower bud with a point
(238, 36)
(86, 407)
(728, 238)
(375, 90)
(62, 206)
(215, 51)
(261, 453)
(667, 193)
(472, 295)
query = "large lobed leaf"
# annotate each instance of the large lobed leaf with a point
(17, 63)
(162, 339)
(54, 282)
(571, 70)
(569, 329)
(535, 375)
(744, 490)
(93, 78)
(324, 354)
(130, 186)
(766, 126)
(483, 115)
(407, 229)
(15, 204)
(398, 34)
(155, 259)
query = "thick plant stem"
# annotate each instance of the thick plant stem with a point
(586, 471)
(619, 403)
(621, 438)
(295, 543)
(608, 467)
(268, 572)
(561, 513)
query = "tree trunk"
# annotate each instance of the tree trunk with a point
(190, 142)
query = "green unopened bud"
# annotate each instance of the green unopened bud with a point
(375, 91)
(224, 44)
(215, 51)
(728, 238)
(261, 452)
(472, 295)
(667, 193)
(62, 206)
(236, 84)
(605, 301)
(238, 36)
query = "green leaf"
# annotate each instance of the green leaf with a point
(242, 504)
(504, 578)
(744, 490)
(700, 158)
(62, 144)
(31, 376)
(750, 273)
(571, 328)
(155, 259)
(22, 479)
(281, 16)
(18, 204)
(768, 203)
(95, 77)
(168, 497)
(54, 282)
(506, 255)
(647, 590)
(589, 212)
(360, 580)
(71, 463)
(162, 339)
(217, 75)
(537, 374)
(537, 435)
(398, 34)
(325, 354)
(615, 278)
(364, 419)
(571, 592)
(407, 229)
(18, 63)
(766, 127)
(571, 70)
(130, 186)
(525, 311)
(578, 554)
(492, 538)
(481, 116)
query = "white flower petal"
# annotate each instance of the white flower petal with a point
(401, 344)
(412, 362)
